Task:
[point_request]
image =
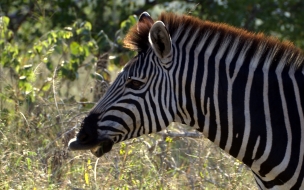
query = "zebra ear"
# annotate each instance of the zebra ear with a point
(144, 20)
(145, 17)
(160, 40)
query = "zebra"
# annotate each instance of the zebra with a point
(243, 91)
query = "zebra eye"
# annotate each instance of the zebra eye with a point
(134, 84)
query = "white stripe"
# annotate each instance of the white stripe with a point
(197, 52)
(138, 121)
(228, 60)
(206, 62)
(185, 74)
(207, 119)
(247, 128)
(167, 103)
(230, 81)
(257, 143)
(295, 177)
(155, 97)
(180, 47)
(172, 93)
(218, 57)
(151, 69)
(283, 165)
(177, 33)
(257, 163)
(152, 116)
(203, 88)
(145, 116)
(302, 185)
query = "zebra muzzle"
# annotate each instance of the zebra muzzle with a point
(98, 147)
(103, 147)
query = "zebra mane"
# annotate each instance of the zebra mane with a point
(137, 37)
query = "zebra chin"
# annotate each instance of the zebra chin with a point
(98, 148)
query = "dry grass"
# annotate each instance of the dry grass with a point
(37, 158)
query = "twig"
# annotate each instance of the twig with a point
(184, 134)
(28, 126)
(5, 138)
(95, 168)
(71, 104)
(54, 90)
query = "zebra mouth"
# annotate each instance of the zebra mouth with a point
(103, 147)
(98, 148)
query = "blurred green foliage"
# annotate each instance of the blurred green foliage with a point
(65, 35)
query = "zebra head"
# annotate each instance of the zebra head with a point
(131, 106)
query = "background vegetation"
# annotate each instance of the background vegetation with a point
(58, 57)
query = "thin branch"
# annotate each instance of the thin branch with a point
(28, 125)
(54, 89)
(17, 20)
(95, 169)
(184, 134)
(70, 104)
(5, 138)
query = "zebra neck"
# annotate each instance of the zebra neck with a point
(220, 79)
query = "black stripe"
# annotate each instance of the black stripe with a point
(222, 100)
(238, 105)
(153, 106)
(257, 118)
(285, 175)
(209, 91)
(176, 84)
(138, 107)
(160, 98)
(148, 114)
(181, 74)
(127, 112)
(198, 85)
(189, 76)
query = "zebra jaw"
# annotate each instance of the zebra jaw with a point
(98, 148)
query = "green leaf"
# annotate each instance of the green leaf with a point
(4, 21)
(103, 41)
(31, 77)
(38, 47)
(29, 163)
(46, 86)
(75, 48)
(169, 139)
(67, 34)
(27, 87)
(18, 161)
(30, 153)
(49, 65)
(87, 25)
(127, 24)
